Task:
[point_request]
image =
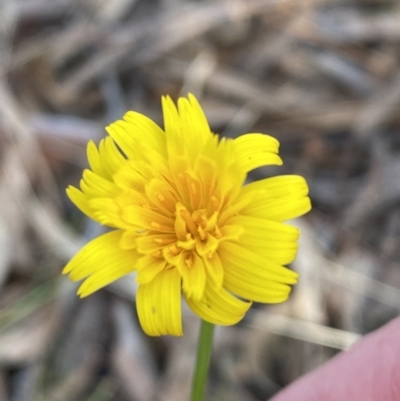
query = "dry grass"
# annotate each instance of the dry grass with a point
(321, 75)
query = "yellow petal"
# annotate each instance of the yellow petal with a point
(254, 277)
(148, 134)
(137, 134)
(269, 230)
(282, 252)
(194, 189)
(256, 150)
(273, 240)
(231, 231)
(254, 141)
(128, 239)
(214, 270)
(278, 198)
(194, 124)
(151, 243)
(280, 209)
(148, 219)
(80, 200)
(94, 159)
(218, 306)
(179, 166)
(161, 196)
(129, 178)
(199, 122)
(148, 267)
(106, 160)
(96, 186)
(207, 172)
(172, 127)
(158, 304)
(107, 212)
(112, 158)
(274, 187)
(102, 261)
(193, 275)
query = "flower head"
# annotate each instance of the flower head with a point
(184, 221)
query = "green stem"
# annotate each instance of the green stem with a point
(203, 360)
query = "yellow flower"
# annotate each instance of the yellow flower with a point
(184, 221)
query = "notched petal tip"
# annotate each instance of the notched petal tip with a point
(308, 205)
(167, 102)
(266, 281)
(67, 269)
(254, 150)
(91, 145)
(83, 292)
(218, 306)
(100, 262)
(79, 293)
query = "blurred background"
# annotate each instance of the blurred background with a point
(323, 76)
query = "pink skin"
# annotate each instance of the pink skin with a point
(369, 371)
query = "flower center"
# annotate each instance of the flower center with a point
(195, 231)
